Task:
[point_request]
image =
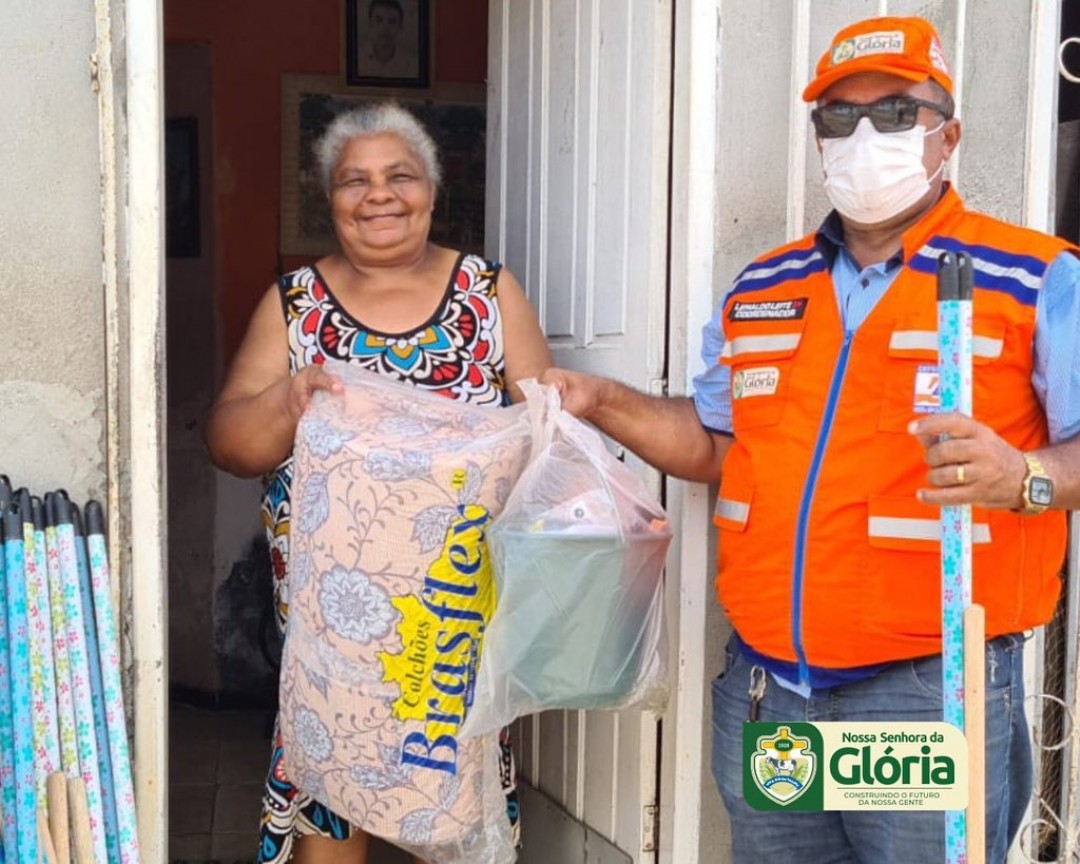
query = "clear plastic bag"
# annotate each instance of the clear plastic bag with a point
(390, 589)
(578, 555)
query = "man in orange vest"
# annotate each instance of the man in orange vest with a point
(815, 410)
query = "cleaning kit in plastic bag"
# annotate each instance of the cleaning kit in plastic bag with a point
(578, 554)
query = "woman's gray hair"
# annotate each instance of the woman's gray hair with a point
(383, 118)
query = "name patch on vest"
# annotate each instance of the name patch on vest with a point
(769, 310)
(927, 390)
(755, 382)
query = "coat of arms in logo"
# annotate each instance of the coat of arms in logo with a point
(843, 52)
(783, 766)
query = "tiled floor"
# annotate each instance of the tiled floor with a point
(217, 767)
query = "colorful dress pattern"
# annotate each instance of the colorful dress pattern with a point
(458, 354)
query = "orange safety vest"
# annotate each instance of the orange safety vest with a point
(826, 557)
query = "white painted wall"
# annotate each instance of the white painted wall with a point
(52, 365)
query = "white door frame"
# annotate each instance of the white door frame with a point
(693, 237)
(136, 430)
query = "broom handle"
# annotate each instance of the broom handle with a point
(56, 791)
(80, 821)
(65, 699)
(97, 689)
(42, 668)
(22, 715)
(975, 729)
(44, 839)
(9, 802)
(109, 645)
(954, 307)
(85, 737)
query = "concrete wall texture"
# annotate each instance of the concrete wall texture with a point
(52, 345)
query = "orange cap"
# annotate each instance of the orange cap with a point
(905, 47)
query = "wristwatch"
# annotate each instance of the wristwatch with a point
(1037, 490)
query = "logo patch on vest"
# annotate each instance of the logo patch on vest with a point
(761, 381)
(769, 310)
(927, 390)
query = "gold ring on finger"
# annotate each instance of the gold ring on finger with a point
(960, 475)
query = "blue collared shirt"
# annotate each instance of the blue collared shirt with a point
(1056, 373)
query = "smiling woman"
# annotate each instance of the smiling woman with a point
(381, 198)
(389, 301)
(457, 124)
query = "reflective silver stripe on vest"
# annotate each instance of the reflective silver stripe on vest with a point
(754, 344)
(899, 528)
(790, 264)
(734, 511)
(1028, 280)
(927, 340)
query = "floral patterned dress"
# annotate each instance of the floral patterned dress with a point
(458, 353)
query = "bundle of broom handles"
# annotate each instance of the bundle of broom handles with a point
(66, 793)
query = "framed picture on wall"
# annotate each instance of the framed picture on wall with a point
(388, 43)
(456, 119)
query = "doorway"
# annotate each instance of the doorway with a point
(240, 108)
(256, 102)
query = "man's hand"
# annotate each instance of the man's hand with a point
(972, 465)
(580, 394)
(664, 431)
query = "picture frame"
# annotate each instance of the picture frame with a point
(388, 43)
(456, 117)
(183, 227)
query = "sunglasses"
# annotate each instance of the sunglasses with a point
(891, 114)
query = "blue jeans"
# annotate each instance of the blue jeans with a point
(909, 690)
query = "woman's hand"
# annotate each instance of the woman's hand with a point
(302, 387)
(253, 422)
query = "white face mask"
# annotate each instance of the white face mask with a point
(871, 176)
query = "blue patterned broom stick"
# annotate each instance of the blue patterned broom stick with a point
(954, 366)
(9, 808)
(18, 639)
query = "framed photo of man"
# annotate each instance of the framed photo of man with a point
(388, 43)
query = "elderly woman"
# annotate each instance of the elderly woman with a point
(419, 311)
